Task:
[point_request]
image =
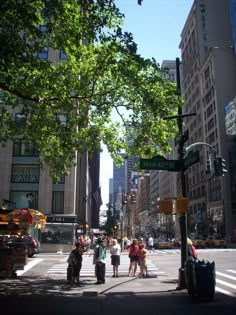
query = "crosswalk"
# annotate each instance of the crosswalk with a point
(87, 269)
(225, 280)
(199, 250)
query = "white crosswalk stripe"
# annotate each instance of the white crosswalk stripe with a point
(88, 268)
(226, 287)
(199, 250)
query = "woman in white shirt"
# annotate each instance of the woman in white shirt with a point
(115, 257)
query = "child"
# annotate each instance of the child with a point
(142, 260)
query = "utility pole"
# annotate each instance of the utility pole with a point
(182, 219)
(183, 137)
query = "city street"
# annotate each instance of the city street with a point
(43, 288)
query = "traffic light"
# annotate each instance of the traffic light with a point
(115, 227)
(219, 166)
(124, 199)
(223, 167)
(166, 206)
(133, 198)
(182, 205)
(208, 166)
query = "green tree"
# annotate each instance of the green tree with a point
(102, 74)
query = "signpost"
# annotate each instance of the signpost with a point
(192, 158)
(160, 163)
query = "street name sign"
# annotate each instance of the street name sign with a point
(191, 158)
(160, 163)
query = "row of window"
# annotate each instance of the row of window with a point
(29, 199)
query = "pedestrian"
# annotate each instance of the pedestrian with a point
(150, 243)
(142, 260)
(75, 263)
(192, 253)
(115, 257)
(133, 256)
(99, 259)
(140, 242)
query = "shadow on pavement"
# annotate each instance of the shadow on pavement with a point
(45, 295)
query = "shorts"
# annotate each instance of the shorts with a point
(115, 260)
(133, 258)
(142, 263)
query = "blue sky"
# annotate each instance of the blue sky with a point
(156, 26)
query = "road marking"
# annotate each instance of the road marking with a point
(233, 271)
(30, 265)
(225, 292)
(226, 284)
(225, 275)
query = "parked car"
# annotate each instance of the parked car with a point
(31, 243)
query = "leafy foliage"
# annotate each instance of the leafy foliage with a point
(102, 75)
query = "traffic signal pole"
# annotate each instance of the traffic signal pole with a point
(183, 217)
(183, 137)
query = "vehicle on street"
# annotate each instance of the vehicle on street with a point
(215, 241)
(31, 243)
(163, 244)
(176, 242)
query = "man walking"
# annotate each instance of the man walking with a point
(150, 244)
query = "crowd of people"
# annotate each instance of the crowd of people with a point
(136, 249)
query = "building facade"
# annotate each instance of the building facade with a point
(208, 75)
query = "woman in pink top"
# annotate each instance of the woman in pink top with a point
(133, 256)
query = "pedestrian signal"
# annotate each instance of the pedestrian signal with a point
(182, 205)
(166, 206)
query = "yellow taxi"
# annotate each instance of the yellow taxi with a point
(215, 241)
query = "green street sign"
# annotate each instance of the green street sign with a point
(160, 163)
(191, 158)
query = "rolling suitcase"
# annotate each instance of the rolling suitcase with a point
(205, 279)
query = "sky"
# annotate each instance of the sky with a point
(156, 26)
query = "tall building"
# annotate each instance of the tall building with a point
(163, 183)
(119, 183)
(209, 76)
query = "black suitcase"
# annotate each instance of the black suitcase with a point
(69, 273)
(205, 279)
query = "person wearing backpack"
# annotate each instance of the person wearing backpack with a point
(99, 259)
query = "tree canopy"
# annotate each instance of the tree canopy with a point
(67, 103)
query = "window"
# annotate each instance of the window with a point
(25, 199)
(25, 174)
(58, 202)
(63, 55)
(20, 119)
(24, 148)
(43, 54)
(61, 179)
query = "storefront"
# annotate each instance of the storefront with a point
(59, 233)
